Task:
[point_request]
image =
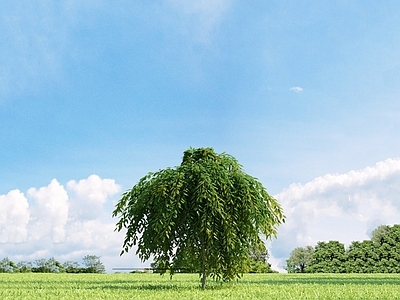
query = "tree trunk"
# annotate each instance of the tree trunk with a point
(204, 270)
(302, 266)
(203, 279)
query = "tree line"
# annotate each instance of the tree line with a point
(381, 254)
(91, 264)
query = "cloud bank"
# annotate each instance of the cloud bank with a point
(342, 207)
(69, 222)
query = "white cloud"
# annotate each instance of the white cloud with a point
(51, 211)
(342, 207)
(91, 194)
(53, 221)
(297, 89)
(14, 217)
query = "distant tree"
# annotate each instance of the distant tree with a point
(389, 250)
(362, 257)
(381, 254)
(328, 257)
(299, 259)
(8, 266)
(47, 266)
(258, 260)
(93, 264)
(379, 233)
(72, 267)
(207, 212)
(259, 252)
(40, 266)
(24, 266)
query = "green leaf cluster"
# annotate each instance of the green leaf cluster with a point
(328, 257)
(381, 254)
(206, 212)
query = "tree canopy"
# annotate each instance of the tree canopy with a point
(299, 259)
(93, 264)
(328, 257)
(381, 254)
(206, 212)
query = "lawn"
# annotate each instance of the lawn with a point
(186, 286)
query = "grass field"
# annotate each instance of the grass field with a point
(186, 286)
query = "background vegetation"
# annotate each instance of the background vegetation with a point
(381, 254)
(91, 264)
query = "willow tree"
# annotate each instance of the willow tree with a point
(206, 214)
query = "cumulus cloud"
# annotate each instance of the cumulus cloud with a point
(342, 207)
(65, 223)
(296, 89)
(14, 217)
(89, 195)
(51, 213)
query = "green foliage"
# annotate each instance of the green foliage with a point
(381, 254)
(299, 259)
(258, 260)
(93, 264)
(47, 266)
(24, 267)
(72, 267)
(206, 212)
(7, 266)
(257, 263)
(379, 233)
(256, 266)
(362, 257)
(328, 257)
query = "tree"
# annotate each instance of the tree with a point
(47, 266)
(24, 267)
(93, 264)
(328, 257)
(206, 211)
(362, 257)
(72, 267)
(8, 266)
(379, 233)
(299, 259)
(389, 248)
(258, 260)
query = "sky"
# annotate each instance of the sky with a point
(96, 94)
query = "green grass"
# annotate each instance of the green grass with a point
(186, 286)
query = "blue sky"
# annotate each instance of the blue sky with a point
(295, 91)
